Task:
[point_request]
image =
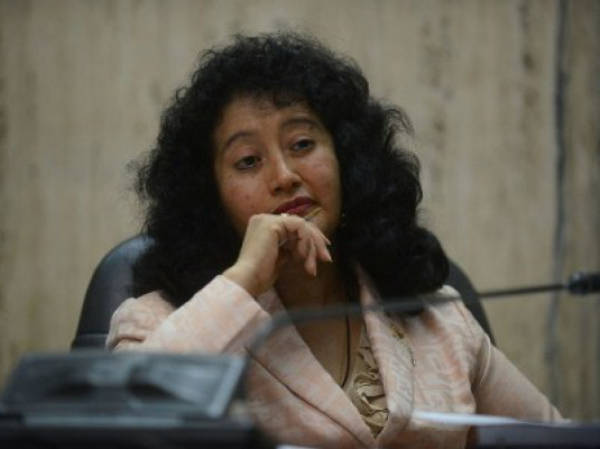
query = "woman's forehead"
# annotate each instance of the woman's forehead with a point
(250, 112)
(263, 104)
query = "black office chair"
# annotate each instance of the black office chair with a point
(111, 284)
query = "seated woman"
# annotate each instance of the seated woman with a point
(279, 183)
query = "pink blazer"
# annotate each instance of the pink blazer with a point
(445, 362)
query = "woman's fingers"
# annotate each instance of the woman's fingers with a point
(269, 243)
(311, 260)
(323, 252)
(310, 243)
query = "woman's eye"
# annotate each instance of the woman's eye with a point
(303, 144)
(247, 162)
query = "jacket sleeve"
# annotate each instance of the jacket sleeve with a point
(499, 387)
(214, 320)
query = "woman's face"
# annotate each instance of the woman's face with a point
(273, 160)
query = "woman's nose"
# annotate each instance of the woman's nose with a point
(283, 176)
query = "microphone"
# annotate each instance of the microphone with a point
(579, 283)
(584, 283)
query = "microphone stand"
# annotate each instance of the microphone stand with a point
(578, 284)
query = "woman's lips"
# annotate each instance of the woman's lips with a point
(298, 206)
(300, 210)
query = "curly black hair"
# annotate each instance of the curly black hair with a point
(193, 239)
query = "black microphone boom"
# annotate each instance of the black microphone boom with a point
(578, 284)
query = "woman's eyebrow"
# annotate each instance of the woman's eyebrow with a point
(235, 136)
(291, 122)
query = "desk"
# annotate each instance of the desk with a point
(222, 434)
(226, 434)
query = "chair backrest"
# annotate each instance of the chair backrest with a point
(112, 283)
(459, 280)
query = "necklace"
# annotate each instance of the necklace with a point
(347, 361)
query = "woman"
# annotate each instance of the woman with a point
(279, 183)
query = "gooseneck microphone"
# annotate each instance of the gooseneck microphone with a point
(578, 284)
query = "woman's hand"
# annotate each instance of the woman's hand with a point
(270, 242)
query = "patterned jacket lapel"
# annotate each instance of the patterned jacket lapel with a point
(291, 362)
(395, 361)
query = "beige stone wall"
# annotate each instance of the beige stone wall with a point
(511, 185)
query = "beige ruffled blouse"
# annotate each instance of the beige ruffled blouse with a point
(364, 387)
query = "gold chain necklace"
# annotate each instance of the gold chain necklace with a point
(347, 371)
